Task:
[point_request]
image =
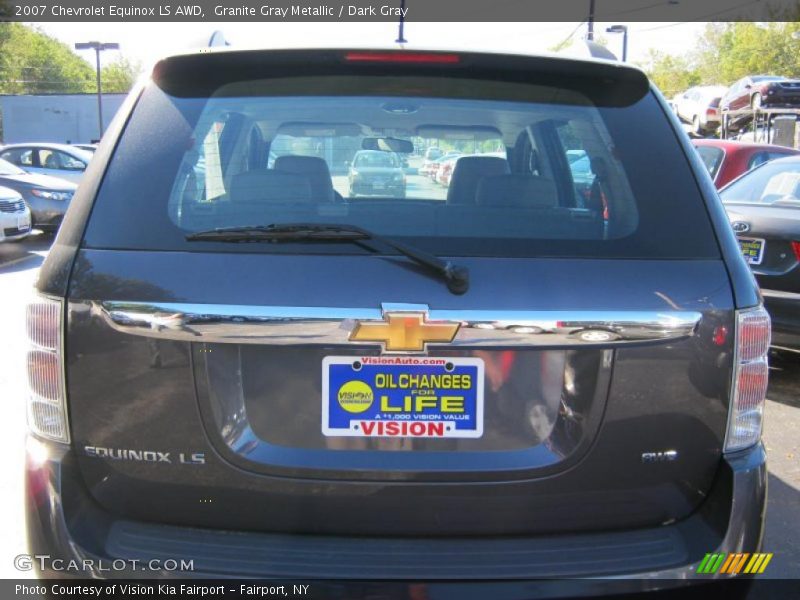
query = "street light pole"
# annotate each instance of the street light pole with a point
(590, 22)
(400, 37)
(98, 47)
(623, 29)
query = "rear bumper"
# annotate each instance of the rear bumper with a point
(66, 524)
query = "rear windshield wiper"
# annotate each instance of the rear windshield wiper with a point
(456, 277)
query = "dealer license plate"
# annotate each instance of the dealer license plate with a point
(753, 249)
(402, 397)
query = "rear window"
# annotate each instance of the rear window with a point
(535, 169)
(772, 182)
(711, 157)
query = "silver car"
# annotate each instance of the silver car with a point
(57, 160)
(15, 216)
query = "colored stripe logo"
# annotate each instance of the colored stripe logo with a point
(734, 563)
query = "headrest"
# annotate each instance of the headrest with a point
(517, 190)
(315, 169)
(267, 185)
(469, 170)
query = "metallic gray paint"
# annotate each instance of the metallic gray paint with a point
(65, 523)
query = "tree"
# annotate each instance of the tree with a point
(119, 76)
(671, 74)
(727, 52)
(34, 63)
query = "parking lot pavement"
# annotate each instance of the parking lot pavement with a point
(782, 439)
(18, 274)
(35, 244)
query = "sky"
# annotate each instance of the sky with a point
(146, 42)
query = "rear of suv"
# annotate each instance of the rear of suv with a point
(235, 362)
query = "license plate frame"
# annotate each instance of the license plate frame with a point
(752, 249)
(348, 410)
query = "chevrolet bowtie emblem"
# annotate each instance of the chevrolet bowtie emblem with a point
(404, 332)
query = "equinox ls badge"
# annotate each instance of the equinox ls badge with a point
(404, 332)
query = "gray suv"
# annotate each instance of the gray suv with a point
(235, 362)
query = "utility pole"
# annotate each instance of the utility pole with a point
(98, 47)
(590, 22)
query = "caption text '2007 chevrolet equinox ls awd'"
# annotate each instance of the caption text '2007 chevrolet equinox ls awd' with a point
(234, 362)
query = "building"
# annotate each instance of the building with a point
(57, 118)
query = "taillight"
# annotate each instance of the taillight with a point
(749, 379)
(403, 57)
(47, 416)
(796, 249)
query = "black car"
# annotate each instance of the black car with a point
(234, 366)
(48, 197)
(376, 173)
(764, 208)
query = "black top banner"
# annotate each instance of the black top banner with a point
(393, 10)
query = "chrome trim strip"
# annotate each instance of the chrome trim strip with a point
(315, 326)
(780, 294)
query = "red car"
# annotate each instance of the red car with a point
(726, 160)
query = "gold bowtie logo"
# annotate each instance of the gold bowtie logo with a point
(404, 332)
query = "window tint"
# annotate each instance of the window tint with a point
(534, 177)
(375, 160)
(712, 158)
(19, 156)
(760, 158)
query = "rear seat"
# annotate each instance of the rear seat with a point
(517, 190)
(468, 172)
(265, 186)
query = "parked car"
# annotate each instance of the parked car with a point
(57, 160)
(432, 153)
(280, 385)
(47, 197)
(430, 161)
(764, 209)
(726, 159)
(699, 106)
(87, 147)
(757, 91)
(445, 169)
(15, 216)
(435, 165)
(376, 173)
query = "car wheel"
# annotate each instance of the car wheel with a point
(696, 129)
(755, 101)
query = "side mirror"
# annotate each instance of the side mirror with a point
(748, 87)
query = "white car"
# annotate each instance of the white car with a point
(15, 216)
(57, 160)
(699, 106)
